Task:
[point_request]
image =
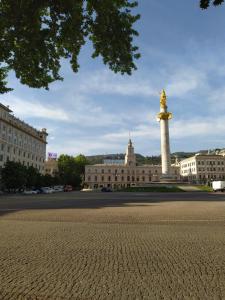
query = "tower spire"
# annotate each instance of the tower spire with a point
(130, 158)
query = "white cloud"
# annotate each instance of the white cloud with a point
(34, 109)
(204, 127)
(81, 111)
(185, 80)
(86, 146)
(106, 82)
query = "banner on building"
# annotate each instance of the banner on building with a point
(52, 155)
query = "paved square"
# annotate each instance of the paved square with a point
(112, 246)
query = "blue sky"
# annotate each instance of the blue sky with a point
(92, 112)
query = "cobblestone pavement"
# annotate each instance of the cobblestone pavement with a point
(112, 246)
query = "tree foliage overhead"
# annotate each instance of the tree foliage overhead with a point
(204, 4)
(36, 35)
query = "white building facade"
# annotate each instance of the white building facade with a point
(124, 175)
(21, 142)
(203, 168)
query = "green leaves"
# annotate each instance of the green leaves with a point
(14, 175)
(35, 35)
(204, 4)
(71, 169)
(111, 31)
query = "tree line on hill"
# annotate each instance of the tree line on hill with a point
(15, 176)
(140, 159)
(148, 160)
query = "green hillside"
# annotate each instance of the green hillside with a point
(142, 160)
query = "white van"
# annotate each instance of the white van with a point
(218, 186)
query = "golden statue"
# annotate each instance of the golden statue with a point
(163, 99)
(164, 114)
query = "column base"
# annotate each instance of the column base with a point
(167, 179)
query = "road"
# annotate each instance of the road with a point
(112, 246)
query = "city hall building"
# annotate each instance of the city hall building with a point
(21, 142)
(118, 175)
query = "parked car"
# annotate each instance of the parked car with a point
(58, 188)
(105, 189)
(46, 190)
(86, 190)
(30, 192)
(68, 188)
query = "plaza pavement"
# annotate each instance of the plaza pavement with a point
(112, 246)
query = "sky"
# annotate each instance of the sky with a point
(92, 111)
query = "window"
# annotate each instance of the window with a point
(102, 178)
(128, 178)
(96, 178)
(102, 171)
(1, 157)
(109, 178)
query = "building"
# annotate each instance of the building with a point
(202, 168)
(51, 167)
(128, 174)
(21, 142)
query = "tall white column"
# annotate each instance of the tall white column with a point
(163, 117)
(165, 147)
